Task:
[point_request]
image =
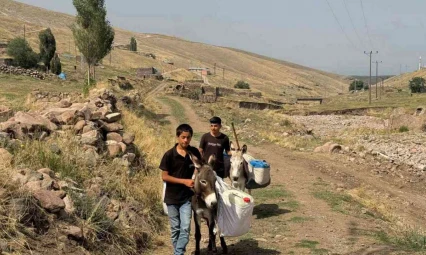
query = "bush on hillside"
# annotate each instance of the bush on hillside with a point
(133, 44)
(356, 85)
(242, 85)
(22, 53)
(417, 85)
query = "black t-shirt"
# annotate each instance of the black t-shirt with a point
(214, 146)
(178, 167)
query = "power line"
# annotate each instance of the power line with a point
(365, 21)
(353, 26)
(340, 25)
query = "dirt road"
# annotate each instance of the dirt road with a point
(307, 209)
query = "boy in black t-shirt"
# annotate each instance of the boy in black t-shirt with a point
(177, 170)
(214, 143)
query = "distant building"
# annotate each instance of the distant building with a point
(202, 70)
(150, 72)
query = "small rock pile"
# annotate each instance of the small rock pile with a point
(49, 96)
(96, 124)
(24, 72)
(329, 147)
(121, 82)
(56, 199)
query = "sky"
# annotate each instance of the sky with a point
(329, 35)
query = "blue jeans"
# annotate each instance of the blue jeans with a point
(180, 225)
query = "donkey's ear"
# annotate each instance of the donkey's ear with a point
(231, 145)
(244, 149)
(212, 160)
(195, 160)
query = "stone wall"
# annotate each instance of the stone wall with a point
(24, 72)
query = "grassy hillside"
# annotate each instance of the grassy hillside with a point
(275, 78)
(402, 80)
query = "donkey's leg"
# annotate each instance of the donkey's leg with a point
(197, 221)
(223, 245)
(212, 236)
(209, 247)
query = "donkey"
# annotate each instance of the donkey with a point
(204, 203)
(239, 168)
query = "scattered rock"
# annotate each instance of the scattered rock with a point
(113, 150)
(128, 138)
(114, 136)
(33, 186)
(64, 103)
(113, 117)
(112, 127)
(34, 122)
(123, 147)
(78, 127)
(69, 204)
(5, 157)
(49, 200)
(74, 232)
(88, 128)
(90, 138)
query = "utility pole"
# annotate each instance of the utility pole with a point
(377, 72)
(369, 84)
(223, 73)
(214, 68)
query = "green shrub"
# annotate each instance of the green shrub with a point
(356, 85)
(133, 44)
(242, 85)
(417, 85)
(403, 129)
(22, 53)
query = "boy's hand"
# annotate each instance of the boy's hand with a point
(188, 183)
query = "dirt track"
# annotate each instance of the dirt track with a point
(306, 209)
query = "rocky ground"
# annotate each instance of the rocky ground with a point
(371, 134)
(77, 200)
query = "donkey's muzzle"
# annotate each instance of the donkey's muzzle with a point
(211, 200)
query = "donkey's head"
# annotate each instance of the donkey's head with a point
(237, 163)
(204, 183)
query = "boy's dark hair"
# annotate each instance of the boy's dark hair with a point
(183, 128)
(216, 120)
